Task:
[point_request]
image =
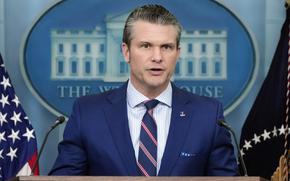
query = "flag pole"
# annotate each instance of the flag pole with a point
(288, 90)
(286, 144)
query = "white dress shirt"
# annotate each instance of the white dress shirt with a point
(161, 113)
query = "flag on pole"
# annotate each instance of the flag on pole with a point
(264, 137)
(18, 147)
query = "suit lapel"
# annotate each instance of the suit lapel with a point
(116, 113)
(179, 125)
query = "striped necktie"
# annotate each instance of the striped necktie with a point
(147, 159)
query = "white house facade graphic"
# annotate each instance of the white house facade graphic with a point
(96, 54)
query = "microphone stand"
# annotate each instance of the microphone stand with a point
(240, 158)
(58, 121)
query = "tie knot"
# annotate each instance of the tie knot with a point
(151, 104)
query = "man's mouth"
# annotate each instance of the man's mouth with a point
(156, 71)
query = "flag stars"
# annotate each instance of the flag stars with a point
(242, 152)
(14, 135)
(274, 132)
(282, 130)
(266, 135)
(3, 118)
(17, 136)
(256, 139)
(16, 101)
(247, 144)
(29, 134)
(12, 154)
(2, 136)
(1, 156)
(4, 100)
(16, 117)
(5, 82)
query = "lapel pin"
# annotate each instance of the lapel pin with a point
(182, 114)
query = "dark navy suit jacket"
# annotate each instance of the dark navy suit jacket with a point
(97, 138)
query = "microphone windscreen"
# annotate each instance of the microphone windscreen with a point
(61, 119)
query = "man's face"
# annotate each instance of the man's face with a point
(152, 56)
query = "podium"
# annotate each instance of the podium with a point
(126, 178)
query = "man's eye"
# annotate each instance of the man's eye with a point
(145, 45)
(167, 47)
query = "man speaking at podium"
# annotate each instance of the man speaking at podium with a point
(148, 126)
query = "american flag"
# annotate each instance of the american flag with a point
(18, 147)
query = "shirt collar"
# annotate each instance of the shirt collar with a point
(135, 98)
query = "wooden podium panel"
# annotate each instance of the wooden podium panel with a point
(125, 178)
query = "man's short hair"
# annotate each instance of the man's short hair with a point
(151, 13)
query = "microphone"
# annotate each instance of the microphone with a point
(57, 122)
(225, 125)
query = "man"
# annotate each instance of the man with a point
(118, 133)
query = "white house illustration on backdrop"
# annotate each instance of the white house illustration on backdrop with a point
(96, 54)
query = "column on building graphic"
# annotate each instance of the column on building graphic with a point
(117, 67)
(203, 55)
(78, 54)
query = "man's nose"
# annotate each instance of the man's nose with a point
(156, 55)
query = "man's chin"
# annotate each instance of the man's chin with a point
(158, 84)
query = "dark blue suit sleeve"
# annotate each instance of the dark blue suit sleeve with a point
(72, 159)
(222, 160)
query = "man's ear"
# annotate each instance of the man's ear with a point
(125, 52)
(178, 52)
